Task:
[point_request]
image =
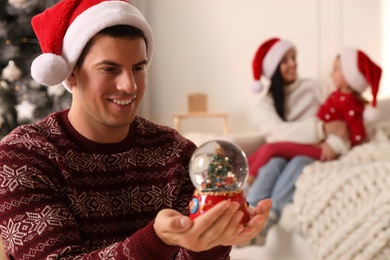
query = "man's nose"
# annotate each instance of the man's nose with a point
(127, 83)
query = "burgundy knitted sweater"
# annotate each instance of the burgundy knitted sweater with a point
(63, 196)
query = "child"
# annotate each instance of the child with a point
(352, 72)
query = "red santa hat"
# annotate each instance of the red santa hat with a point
(267, 59)
(64, 29)
(360, 72)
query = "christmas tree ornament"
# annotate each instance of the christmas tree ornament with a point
(55, 91)
(17, 3)
(11, 72)
(25, 111)
(218, 170)
(4, 85)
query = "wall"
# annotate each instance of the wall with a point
(208, 46)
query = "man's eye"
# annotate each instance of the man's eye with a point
(109, 69)
(139, 68)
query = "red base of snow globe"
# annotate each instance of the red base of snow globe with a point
(203, 201)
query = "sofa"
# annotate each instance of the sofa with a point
(341, 208)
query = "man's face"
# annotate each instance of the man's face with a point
(109, 86)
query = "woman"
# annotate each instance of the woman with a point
(287, 112)
(346, 102)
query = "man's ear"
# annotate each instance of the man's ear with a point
(72, 79)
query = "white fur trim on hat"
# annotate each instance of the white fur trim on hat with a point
(274, 57)
(350, 69)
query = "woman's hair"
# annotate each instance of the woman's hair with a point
(116, 31)
(277, 92)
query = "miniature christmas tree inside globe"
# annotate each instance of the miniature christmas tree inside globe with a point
(218, 170)
(218, 166)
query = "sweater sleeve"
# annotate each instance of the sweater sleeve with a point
(302, 125)
(354, 117)
(149, 246)
(274, 129)
(339, 145)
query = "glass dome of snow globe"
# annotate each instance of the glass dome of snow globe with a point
(218, 170)
(218, 166)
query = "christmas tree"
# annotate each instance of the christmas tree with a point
(220, 175)
(22, 100)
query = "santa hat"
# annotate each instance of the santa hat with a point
(360, 72)
(64, 29)
(267, 59)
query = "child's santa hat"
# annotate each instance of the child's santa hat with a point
(267, 59)
(64, 29)
(360, 72)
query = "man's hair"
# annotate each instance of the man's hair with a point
(116, 31)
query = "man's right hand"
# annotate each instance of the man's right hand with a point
(220, 225)
(337, 127)
(206, 231)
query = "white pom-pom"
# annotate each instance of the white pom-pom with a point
(49, 69)
(257, 86)
(371, 114)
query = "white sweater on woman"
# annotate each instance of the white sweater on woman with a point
(302, 101)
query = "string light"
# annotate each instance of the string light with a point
(23, 40)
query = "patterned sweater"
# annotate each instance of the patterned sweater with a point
(63, 196)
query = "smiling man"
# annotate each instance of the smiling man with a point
(97, 181)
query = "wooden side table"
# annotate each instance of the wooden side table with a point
(178, 117)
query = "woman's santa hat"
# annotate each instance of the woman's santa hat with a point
(360, 72)
(64, 29)
(267, 59)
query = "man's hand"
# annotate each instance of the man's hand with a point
(220, 225)
(337, 127)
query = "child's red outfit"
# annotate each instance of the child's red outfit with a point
(338, 106)
(347, 107)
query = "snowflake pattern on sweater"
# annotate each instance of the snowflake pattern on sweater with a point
(63, 196)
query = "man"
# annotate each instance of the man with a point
(97, 181)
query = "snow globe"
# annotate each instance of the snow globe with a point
(218, 170)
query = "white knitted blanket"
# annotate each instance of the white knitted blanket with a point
(342, 207)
